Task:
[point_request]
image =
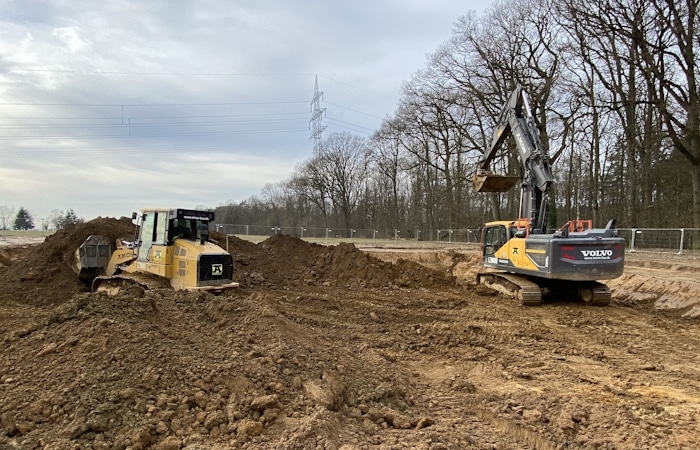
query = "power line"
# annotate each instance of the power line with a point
(187, 122)
(140, 136)
(353, 85)
(118, 72)
(134, 124)
(132, 105)
(157, 117)
(350, 123)
(354, 110)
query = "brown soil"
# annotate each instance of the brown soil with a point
(44, 276)
(334, 348)
(283, 260)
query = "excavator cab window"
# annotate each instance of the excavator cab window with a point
(494, 238)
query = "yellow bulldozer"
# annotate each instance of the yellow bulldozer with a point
(170, 247)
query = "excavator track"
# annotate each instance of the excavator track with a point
(529, 293)
(595, 293)
(520, 288)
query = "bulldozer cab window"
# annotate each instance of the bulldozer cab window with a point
(147, 235)
(181, 229)
(494, 238)
(161, 222)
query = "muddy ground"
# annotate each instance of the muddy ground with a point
(337, 348)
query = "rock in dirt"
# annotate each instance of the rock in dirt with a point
(248, 429)
(169, 443)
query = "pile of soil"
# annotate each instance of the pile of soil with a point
(94, 371)
(122, 372)
(44, 275)
(9, 255)
(283, 260)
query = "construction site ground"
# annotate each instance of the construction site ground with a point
(333, 347)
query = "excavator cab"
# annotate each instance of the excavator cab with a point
(495, 236)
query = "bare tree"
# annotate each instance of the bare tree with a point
(612, 85)
(671, 56)
(310, 184)
(344, 158)
(6, 213)
(386, 156)
(512, 43)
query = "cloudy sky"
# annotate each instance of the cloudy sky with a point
(108, 107)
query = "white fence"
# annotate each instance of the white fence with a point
(658, 240)
(662, 240)
(461, 236)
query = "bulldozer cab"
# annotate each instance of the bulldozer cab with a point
(180, 228)
(162, 227)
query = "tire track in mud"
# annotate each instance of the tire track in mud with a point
(595, 354)
(454, 399)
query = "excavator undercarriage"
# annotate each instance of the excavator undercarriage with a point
(529, 291)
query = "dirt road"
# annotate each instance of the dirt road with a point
(337, 349)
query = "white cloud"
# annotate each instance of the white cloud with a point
(113, 106)
(71, 39)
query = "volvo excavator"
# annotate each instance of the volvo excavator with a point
(171, 247)
(520, 259)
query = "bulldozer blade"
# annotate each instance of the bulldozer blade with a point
(493, 183)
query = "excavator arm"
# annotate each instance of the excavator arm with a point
(516, 120)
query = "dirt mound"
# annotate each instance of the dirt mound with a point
(350, 265)
(9, 255)
(43, 276)
(6, 258)
(283, 260)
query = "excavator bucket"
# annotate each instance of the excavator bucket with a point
(488, 182)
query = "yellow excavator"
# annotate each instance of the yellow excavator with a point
(170, 247)
(520, 259)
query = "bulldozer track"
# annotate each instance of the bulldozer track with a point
(114, 284)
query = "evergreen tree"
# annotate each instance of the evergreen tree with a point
(23, 220)
(71, 219)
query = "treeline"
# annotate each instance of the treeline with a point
(23, 219)
(614, 90)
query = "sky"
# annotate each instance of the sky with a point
(110, 107)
